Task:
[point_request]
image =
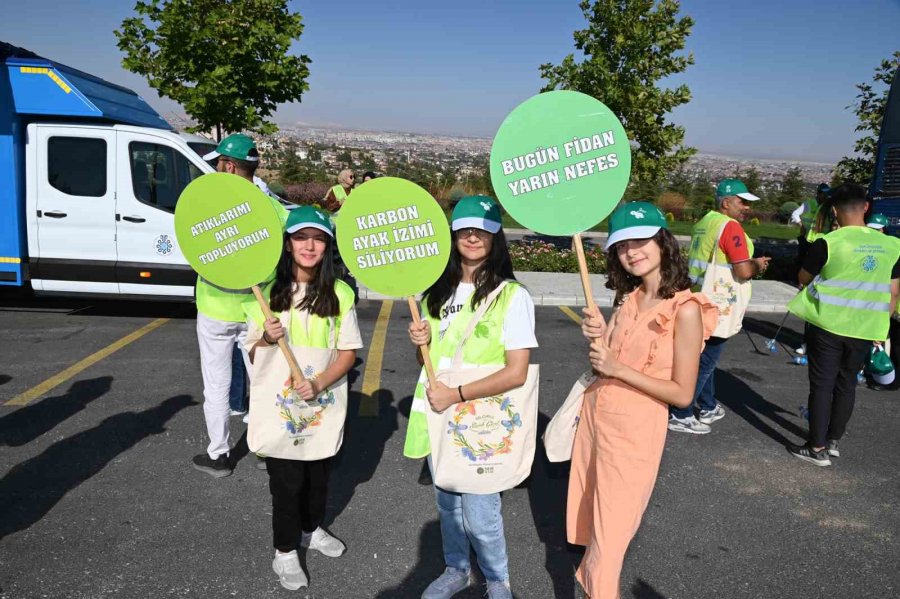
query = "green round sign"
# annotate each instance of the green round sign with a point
(393, 236)
(560, 162)
(228, 230)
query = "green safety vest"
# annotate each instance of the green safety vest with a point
(225, 304)
(340, 193)
(318, 331)
(704, 238)
(851, 296)
(808, 218)
(483, 348)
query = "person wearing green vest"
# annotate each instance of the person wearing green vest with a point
(807, 216)
(479, 262)
(306, 284)
(720, 231)
(337, 195)
(221, 322)
(851, 280)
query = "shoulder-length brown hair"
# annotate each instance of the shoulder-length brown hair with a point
(673, 269)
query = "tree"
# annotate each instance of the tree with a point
(752, 181)
(629, 45)
(792, 186)
(225, 61)
(869, 109)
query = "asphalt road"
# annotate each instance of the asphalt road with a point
(98, 497)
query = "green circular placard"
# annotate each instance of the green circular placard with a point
(560, 162)
(393, 236)
(228, 230)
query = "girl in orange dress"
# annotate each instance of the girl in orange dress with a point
(646, 358)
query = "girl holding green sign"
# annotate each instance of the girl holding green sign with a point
(647, 359)
(479, 263)
(319, 310)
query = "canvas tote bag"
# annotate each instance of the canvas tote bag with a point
(483, 445)
(730, 296)
(560, 434)
(281, 424)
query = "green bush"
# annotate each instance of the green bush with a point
(784, 211)
(754, 221)
(540, 256)
(670, 217)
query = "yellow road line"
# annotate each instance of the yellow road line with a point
(58, 379)
(571, 314)
(368, 405)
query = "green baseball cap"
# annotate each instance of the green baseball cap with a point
(634, 220)
(302, 217)
(480, 212)
(236, 145)
(877, 221)
(734, 187)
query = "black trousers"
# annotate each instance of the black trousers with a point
(834, 362)
(299, 491)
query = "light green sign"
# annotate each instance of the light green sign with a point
(228, 230)
(560, 162)
(393, 236)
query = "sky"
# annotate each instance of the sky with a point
(771, 78)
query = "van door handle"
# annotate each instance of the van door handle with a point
(134, 219)
(56, 214)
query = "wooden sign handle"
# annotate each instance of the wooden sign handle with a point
(296, 373)
(426, 355)
(583, 270)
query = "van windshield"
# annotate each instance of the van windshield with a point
(202, 149)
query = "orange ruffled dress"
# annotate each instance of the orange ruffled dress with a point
(619, 442)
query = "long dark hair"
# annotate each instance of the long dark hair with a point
(493, 271)
(320, 298)
(673, 269)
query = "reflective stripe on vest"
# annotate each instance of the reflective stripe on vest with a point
(851, 296)
(484, 349)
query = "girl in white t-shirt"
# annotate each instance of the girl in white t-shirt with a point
(479, 262)
(305, 283)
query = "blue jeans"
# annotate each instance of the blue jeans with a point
(238, 396)
(475, 521)
(705, 391)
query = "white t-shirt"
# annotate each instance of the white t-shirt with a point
(518, 326)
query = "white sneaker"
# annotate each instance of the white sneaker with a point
(287, 566)
(688, 425)
(247, 418)
(710, 416)
(237, 412)
(323, 542)
(801, 351)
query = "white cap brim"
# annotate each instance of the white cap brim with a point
(630, 233)
(211, 156)
(875, 226)
(491, 226)
(884, 379)
(298, 226)
(748, 196)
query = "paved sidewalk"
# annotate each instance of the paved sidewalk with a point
(564, 289)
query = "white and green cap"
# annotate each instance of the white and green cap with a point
(877, 221)
(236, 145)
(302, 217)
(634, 220)
(734, 187)
(480, 212)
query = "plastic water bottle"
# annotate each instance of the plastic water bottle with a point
(771, 346)
(799, 360)
(804, 413)
(860, 378)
